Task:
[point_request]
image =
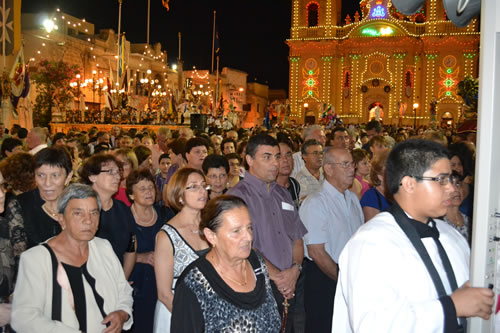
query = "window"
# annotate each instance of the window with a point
(312, 14)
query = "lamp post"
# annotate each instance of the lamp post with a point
(415, 107)
(306, 110)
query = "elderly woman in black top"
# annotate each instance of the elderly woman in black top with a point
(103, 172)
(38, 208)
(229, 288)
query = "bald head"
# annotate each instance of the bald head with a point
(338, 167)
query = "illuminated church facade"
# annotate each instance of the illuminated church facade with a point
(405, 67)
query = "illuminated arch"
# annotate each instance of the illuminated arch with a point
(312, 10)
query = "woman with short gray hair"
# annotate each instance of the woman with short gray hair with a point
(74, 282)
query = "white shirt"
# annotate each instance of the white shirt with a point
(298, 163)
(308, 183)
(383, 283)
(38, 148)
(32, 302)
(330, 218)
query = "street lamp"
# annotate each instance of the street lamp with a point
(415, 107)
(49, 25)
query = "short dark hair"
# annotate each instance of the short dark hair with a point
(309, 143)
(411, 158)
(136, 176)
(286, 141)
(260, 140)
(232, 157)
(100, 134)
(212, 214)
(464, 154)
(162, 156)
(337, 129)
(178, 146)
(92, 166)
(58, 136)
(374, 124)
(215, 161)
(9, 144)
(226, 140)
(101, 148)
(195, 142)
(142, 153)
(22, 133)
(54, 156)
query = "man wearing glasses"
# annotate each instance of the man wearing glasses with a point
(405, 270)
(331, 216)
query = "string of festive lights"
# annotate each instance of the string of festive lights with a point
(378, 29)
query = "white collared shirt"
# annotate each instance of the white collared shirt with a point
(383, 284)
(38, 148)
(331, 218)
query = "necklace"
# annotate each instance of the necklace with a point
(49, 212)
(241, 284)
(150, 222)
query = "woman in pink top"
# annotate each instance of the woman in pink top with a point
(361, 160)
(129, 163)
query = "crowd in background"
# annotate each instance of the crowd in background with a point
(164, 203)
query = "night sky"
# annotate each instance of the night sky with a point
(252, 33)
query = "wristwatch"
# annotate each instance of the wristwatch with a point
(299, 266)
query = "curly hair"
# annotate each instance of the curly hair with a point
(18, 171)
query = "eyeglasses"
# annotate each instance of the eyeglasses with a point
(146, 189)
(112, 172)
(344, 165)
(442, 180)
(197, 187)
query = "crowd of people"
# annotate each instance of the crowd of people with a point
(362, 228)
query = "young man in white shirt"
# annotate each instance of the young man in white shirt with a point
(406, 271)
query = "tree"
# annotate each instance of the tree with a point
(468, 89)
(53, 90)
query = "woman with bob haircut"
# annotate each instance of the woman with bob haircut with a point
(103, 172)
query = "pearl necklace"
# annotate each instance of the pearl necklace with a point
(136, 216)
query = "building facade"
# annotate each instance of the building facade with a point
(403, 68)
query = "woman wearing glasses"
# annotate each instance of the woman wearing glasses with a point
(103, 172)
(179, 242)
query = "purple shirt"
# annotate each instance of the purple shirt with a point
(276, 222)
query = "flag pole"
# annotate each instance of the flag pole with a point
(118, 43)
(4, 25)
(213, 45)
(217, 86)
(149, 17)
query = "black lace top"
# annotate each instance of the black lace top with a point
(203, 302)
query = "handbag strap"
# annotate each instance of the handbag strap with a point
(56, 289)
(404, 222)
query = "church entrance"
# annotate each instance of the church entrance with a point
(375, 100)
(375, 111)
(447, 120)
